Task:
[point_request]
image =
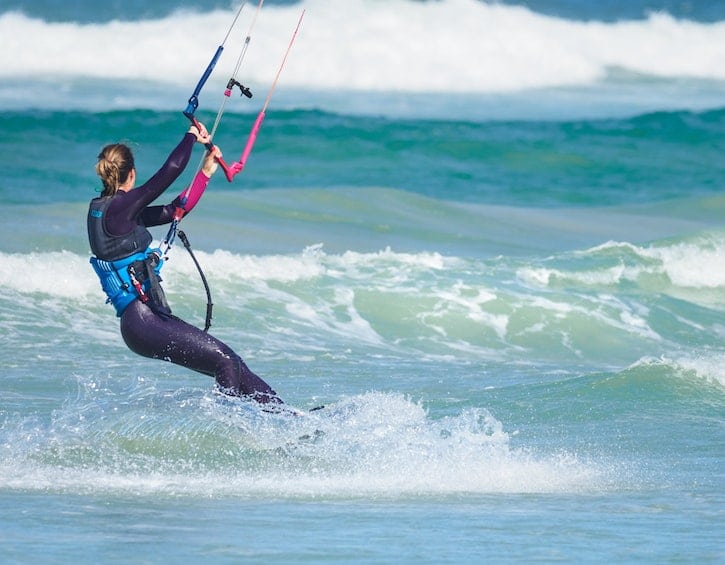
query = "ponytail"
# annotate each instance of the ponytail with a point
(115, 162)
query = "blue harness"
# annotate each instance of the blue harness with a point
(125, 280)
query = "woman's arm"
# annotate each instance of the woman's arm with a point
(157, 215)
(125, 207)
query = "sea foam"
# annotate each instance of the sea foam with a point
(449, 46)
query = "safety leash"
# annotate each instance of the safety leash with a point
(209, 303)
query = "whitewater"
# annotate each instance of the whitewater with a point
(462, 48)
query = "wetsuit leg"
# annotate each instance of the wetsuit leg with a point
(172, 339)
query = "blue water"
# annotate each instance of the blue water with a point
(504, 280)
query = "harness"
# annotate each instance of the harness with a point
(137, 276)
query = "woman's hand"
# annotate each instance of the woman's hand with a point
(210, 161)
(202, 136)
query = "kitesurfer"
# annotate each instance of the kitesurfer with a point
(129, 268)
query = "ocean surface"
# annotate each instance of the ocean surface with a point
(489, 237)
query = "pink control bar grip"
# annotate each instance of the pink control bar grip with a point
(228, 170)
(237, 167)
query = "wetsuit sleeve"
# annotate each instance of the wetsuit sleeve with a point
(157, 215)
(197, 189)
(126, 207)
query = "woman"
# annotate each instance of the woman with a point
(129, 268)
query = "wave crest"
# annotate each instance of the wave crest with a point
(449, 46)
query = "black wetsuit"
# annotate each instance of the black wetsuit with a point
(154, 334)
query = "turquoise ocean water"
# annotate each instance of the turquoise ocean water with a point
(488, 237)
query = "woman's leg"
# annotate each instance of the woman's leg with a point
(172, 339)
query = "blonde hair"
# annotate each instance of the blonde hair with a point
(115, 162)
